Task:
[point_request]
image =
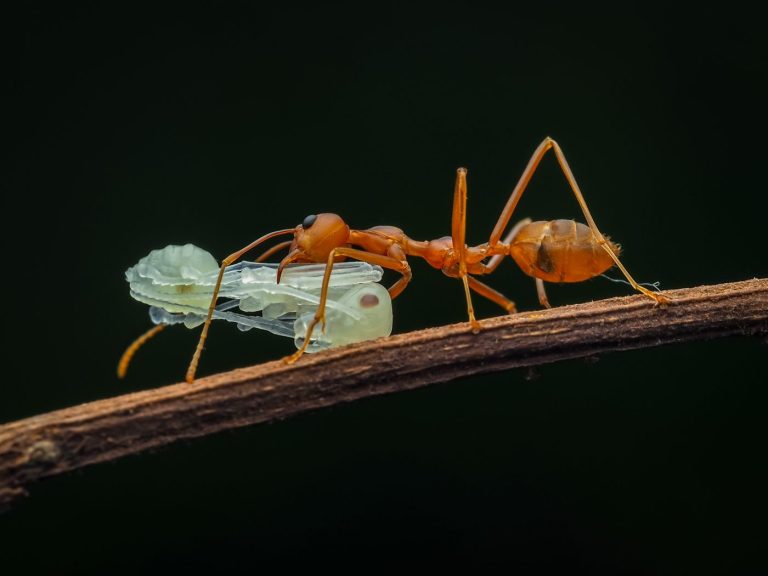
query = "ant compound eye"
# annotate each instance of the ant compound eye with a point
(309, 220)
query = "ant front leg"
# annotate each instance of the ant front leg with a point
(391, 262)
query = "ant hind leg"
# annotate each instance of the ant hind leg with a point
(658, 298)
(546, 145)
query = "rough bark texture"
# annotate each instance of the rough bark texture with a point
(67, 439)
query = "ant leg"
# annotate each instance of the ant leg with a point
(484, 290)
(542, 293)
(380, 259)
(275, 248)
(660, 299)
(494, 262)
(492, 295)
(520, 187)
(395, 251)
(459, 235)
(192, 368)
(518, 190)
(125, 359)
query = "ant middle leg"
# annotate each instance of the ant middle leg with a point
(459, 239)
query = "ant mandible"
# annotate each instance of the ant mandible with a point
(555, 251)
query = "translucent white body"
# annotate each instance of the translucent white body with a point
(177, 282)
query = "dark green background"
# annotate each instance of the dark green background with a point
(142, 128)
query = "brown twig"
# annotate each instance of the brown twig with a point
(67, 439)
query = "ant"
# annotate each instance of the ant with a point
(555, 251)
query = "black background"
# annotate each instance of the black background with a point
(141, 128)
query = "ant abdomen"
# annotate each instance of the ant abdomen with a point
(560, 251)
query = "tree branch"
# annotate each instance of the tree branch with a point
(67, 439)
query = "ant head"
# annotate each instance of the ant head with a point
(314, 239)
(318, 234)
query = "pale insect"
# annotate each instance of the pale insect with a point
(177, 282)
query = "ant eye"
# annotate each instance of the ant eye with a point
(309, 220)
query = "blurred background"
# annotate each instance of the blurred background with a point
(142, 128)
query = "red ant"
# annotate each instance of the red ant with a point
(555, 251)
